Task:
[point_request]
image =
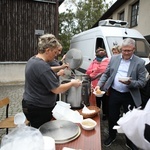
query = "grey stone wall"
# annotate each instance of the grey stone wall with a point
(12, 72)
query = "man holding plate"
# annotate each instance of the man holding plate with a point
(124, 92)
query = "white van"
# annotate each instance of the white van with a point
(108, 34)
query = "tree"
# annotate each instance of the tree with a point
(81, 15)
(66, 28)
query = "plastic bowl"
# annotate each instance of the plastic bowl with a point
(99, 95)
(124, 78)
(88, 124)
(19, 118)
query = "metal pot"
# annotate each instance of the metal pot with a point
(77, 96)
(82, 77)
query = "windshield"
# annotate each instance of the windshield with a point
(142, 46)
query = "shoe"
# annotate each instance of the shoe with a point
(128, 146)
(109, 141)
(131, 146)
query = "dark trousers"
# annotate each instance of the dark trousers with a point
(36, 115)
(116, 101)
(103, 101)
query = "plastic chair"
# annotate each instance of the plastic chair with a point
(8, 122)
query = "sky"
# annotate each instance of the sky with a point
(62, 7)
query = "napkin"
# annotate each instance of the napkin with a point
(85, 110)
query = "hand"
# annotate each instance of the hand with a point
(97, 88)
(63, 58)
(76, 82)
(61, 72)
(125, 82)
(65, 65)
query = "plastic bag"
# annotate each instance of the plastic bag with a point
(62, 108)
(22, 137)
(133, 125)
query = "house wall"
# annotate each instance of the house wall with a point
(21, 23)
(144, 15)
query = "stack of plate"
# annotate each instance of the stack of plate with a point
(61, 131)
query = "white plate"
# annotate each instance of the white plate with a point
(124, 78)
(99, 95)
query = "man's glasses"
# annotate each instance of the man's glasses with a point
(127, 51)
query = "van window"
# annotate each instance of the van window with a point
(114, 41)
(142, 47)
(99, 43)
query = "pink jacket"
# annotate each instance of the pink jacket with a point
(96, 68)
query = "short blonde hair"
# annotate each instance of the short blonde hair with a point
(118, 48)
(47, 41)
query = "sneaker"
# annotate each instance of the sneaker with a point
(131, 146)
(109, 141)
(128, 146)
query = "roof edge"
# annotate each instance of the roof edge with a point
(109, 12)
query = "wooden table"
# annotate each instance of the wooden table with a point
(88, 140)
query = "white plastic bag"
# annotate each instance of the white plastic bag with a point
(62, 111)
(22, 137)
(133, 125)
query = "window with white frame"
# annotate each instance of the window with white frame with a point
(134, 14)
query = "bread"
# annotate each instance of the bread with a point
(98, 91)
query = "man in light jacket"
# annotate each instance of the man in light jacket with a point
(123, 93)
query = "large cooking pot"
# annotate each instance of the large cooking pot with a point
(82, 77)
(76, 96)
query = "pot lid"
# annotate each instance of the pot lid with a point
(74, 58)
(61, 131)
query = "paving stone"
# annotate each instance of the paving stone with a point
(15, 93)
